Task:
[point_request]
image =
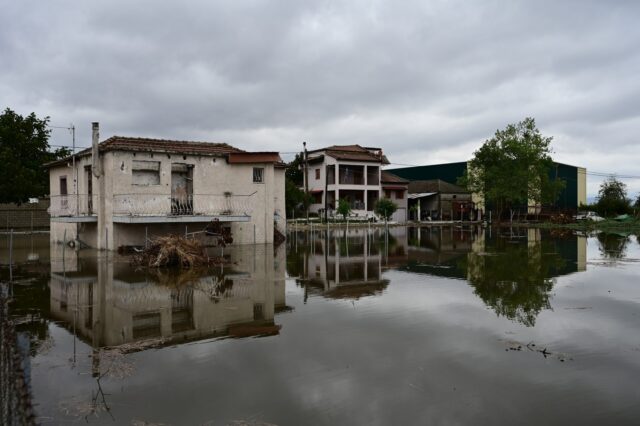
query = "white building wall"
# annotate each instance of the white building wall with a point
(211, 176)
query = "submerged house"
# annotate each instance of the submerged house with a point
(127, 189)
(353, 173)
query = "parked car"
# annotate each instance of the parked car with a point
(592, 216)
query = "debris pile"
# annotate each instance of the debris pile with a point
(172, 251)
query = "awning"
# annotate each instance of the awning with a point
(316, 191)
(421, 195)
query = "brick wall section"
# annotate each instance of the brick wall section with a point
(21, 216)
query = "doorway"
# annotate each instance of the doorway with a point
(89, 184)
(181, 189)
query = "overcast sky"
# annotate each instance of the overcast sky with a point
(427, 81)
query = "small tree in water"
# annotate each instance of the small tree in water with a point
(385, 208)
(344, 208)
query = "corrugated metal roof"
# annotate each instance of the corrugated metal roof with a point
(421, 195)
(435, 185)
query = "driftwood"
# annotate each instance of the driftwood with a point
(172, 251)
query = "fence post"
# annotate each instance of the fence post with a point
(11, 256)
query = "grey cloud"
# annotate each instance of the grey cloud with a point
(426, 81)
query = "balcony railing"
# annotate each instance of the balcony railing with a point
(197, 205)
(72, 205)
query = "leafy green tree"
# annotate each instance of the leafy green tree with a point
(294, 172)
(612, 198)
(385, 208)
(344, 208)
(512, 168)
(296, 200)
(24, 149)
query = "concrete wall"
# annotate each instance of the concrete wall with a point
(212, 176)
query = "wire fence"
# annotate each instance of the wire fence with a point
(15, 394)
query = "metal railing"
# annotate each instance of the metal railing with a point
(196, 205)
(72, 205)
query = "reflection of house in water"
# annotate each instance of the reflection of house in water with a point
(340, 265)
(110, 304)
(513, 273)
(438, 250)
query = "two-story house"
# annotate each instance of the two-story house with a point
(353, 173)
(124, 190)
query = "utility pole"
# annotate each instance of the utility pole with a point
(75, 170)
(306, 176)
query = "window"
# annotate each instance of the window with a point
(145, 173)
(258, 175)
(387, 193)
(399, 194)
(64, 202)
(63, 185)
(317, 174)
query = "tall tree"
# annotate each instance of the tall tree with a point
(24, 149)
(513, 168)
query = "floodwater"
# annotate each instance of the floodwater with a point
(435, 325)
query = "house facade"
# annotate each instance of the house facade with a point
(124, 190)
(349, 172)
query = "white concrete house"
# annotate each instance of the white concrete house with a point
(123, 189)
(353, 173)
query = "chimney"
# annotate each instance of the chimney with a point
(95, 163)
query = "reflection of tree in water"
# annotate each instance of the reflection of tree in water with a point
(613, 246)
(515, 280)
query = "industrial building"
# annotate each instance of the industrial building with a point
(570, 198)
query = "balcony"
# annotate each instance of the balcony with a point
(149, 208)
(351, 175)
(73, 208)
(155, 208)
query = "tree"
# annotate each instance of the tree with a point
(344, 208)
(513, 168)
(294, 172)
(24, 149)
(612, 198)
(296, 200)
(385, 208)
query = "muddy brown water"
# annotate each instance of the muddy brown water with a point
(450, 325)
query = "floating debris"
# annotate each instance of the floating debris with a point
(172, 251)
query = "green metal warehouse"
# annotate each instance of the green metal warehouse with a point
(573, 194)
